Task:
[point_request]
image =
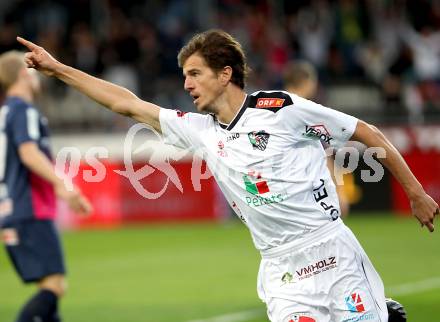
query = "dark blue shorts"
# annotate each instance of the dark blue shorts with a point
(34, 248)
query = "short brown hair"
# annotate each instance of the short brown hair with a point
(11, 62)
(298, 72)
(219, 49)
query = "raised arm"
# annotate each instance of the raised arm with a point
(424, 208)
(114, 97)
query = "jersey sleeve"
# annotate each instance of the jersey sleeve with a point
(306, 120)
(25, 125)
(184, 130)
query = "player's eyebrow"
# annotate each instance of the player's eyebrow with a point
(190, 71)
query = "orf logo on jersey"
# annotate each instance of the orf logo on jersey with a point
(259, 139)
(300, 317)
(319, 131)
(354, 303)
(269, 102)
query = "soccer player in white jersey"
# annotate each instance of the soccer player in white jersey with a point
(264, 149)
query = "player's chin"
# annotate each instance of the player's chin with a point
(199, 106)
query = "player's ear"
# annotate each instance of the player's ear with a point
(225, 75)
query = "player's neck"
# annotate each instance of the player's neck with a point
(21, 91)
(229, 104)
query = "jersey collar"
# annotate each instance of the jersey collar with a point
(237, 116)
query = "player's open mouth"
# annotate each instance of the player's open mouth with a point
(195, 99)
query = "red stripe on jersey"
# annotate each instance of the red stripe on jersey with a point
(43, 197)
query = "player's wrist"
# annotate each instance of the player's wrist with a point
(59, 69)
(60, 189)
(415, 192)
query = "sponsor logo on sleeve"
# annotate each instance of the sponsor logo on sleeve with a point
(259, 139)
(269, 102)
(318, 131)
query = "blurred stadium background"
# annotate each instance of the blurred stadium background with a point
(183, 257)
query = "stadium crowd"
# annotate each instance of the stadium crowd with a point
(391, 46)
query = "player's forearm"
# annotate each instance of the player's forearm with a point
(394, 162)
(38, 163)
(114, 97)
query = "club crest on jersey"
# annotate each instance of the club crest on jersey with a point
(269, 102)
(259, 139)
(318, 131)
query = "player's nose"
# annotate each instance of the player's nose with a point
(188, 85)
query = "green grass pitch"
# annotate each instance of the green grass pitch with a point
(181, 273)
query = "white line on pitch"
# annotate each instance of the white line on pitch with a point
(414, 287)
(234, 317)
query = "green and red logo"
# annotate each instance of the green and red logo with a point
(255, 188)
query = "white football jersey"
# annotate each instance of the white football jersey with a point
(269, 161)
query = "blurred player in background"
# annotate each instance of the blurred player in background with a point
(300, 78)
(28, 190)
(264, 151)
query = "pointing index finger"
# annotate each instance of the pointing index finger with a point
(30, 45)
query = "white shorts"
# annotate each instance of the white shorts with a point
(324, 277)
